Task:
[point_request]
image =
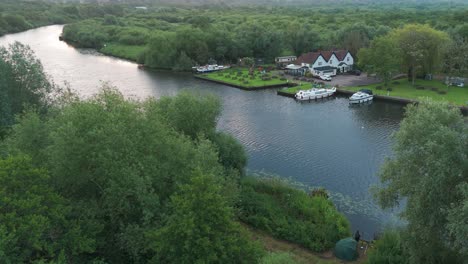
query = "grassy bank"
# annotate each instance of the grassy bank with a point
(274, 207)
(241, 77)
(435, 90)
(129, 52)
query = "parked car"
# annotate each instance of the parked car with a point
(325, 77)
(459, 84)
(355, 72)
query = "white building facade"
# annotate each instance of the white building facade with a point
(327, 62)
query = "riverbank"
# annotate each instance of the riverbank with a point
(403, 94)
(402, 90)
(292, 253)
(242, 79)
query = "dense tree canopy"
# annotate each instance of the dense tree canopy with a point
(23, 83)
(383, 58)
(200, 35)
(35, 221)
(430, 170)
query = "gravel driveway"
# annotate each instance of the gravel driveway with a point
(353, 80)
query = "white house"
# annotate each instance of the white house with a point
(327, 62)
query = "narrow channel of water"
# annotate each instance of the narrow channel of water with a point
(325, 143)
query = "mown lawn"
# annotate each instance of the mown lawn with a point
(241, 77)
(404, 89)
(123, 51)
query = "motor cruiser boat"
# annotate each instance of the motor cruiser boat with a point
(362, 96)
(314, 93)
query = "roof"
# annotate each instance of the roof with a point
(342, 63)
(324, 68)
(311, 57)
(294, 67)
(341, 54)
(286, 57)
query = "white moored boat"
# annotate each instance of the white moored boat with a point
(361, 97)
(209, 68)
(314, 93)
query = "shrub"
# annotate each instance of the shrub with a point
(434, 89)
(287, 213)
(378, 87)
(245, 82)
(419, 87)
(442, 92)
(396, 82)
(283, 79)
(388, 249)
(275, 77)
(389, 89)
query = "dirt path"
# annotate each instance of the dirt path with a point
(300, 254)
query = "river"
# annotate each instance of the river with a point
(325, 143)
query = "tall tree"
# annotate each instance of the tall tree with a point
(36, 223)
(381, 58)
(119, 161)
(455, 59)
(201, 229)
(23, 83)
(430, 163)
(422, 48)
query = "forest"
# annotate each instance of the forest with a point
(180, 37)
(17, 16)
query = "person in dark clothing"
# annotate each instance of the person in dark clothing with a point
(357, 236)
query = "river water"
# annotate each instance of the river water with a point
(325, 143)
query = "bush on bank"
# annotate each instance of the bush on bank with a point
(291, 214)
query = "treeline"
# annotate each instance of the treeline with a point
(178, 38)
(17, 16)
(418, 50)
(112, 180)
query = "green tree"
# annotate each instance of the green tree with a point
(160, 52)
(455, 59)
(429, 164)
(201, 229)
(422, 48)
(23, 83)
(191, 115)
(183, 63)
(381, 58)
(458, 221)
(231, 152)
(36, 223)
(118, 162)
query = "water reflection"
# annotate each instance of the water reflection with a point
(319, 143)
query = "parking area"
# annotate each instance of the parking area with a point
(352, 80)
(340, 80)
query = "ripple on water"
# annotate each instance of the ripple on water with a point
(319, 143)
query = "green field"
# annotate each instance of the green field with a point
(129, 52)
(404, 89)
(241, 77)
